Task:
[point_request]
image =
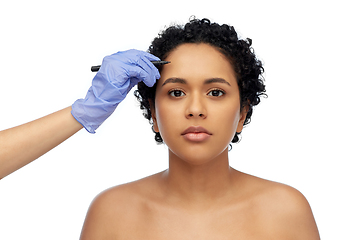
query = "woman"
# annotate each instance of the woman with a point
(199, 105)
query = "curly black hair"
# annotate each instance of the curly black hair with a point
(239, 52)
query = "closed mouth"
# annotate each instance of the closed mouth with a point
(195, 129)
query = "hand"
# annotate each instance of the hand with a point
(117, 75)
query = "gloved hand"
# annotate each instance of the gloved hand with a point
(117, 75)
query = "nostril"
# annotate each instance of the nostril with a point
(192, 115)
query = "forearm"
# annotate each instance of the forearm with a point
(25, 143)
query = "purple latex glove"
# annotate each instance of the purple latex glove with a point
(117, 75)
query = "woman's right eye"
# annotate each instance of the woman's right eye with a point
(176, 93)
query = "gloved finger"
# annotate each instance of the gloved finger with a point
(131, 57)
(143, 60)
(150, 56)
(149, 67)
(137, 74)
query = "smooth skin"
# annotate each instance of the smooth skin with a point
(200, 196)
(25, 143)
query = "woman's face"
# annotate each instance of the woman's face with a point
(197, 103)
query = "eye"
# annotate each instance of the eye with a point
(176, 93)
(216, 93)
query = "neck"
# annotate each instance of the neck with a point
(208, 181)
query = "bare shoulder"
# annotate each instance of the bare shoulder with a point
(284, 211)
(116, 210)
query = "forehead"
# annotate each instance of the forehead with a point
(192, 61)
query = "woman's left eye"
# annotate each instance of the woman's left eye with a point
(216, 93)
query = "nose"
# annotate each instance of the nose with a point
(196, 107)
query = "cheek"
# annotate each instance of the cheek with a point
(167, 119)
(229, 119)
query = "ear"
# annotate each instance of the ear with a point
(243, 114)
(153, 115)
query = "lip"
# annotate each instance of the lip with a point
(196, 134)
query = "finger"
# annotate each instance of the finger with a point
(151, 57)
(149, 67)
(142, 75)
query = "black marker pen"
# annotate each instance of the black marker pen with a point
(156, 63)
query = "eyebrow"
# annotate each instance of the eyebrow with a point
(207, 81)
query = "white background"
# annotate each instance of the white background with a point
(305, 134)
